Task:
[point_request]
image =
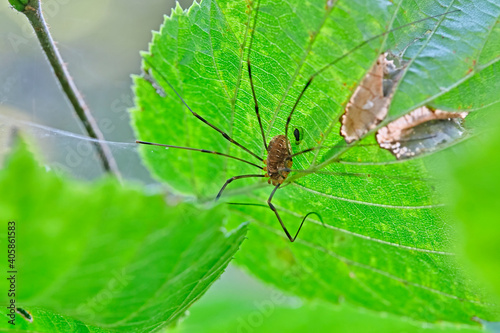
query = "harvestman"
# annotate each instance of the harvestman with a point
(279, 152)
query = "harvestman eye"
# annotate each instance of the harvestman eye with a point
(298, 133)
(279, 161)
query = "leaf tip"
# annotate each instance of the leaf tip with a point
(19, 5)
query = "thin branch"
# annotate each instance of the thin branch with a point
(33, 12)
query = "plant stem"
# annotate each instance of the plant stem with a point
(33, 12)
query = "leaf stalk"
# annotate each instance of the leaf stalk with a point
(33, 11)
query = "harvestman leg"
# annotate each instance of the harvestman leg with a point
(255, 101)
(224, 134)
(251, 78)
(292, 239)
(198, 150)
(357, 47)
(230, 180)
(340, 146)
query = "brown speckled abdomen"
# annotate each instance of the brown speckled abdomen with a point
(278, 151)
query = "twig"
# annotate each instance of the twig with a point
(33, 11)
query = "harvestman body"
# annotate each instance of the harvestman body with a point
(279, 152)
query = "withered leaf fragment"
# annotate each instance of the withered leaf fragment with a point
(370, 102)
(422, 130)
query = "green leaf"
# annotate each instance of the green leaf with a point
(387, 240)
(477, 198)
(102, 256)
(19, 5)
(232, 307)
